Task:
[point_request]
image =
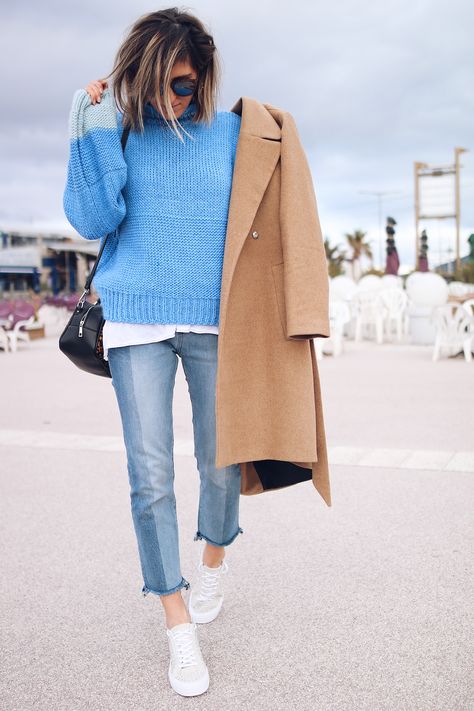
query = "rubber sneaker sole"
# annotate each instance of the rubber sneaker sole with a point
(189, 688)
(202, 617)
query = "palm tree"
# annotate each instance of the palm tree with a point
(335, 258)
(359, 246)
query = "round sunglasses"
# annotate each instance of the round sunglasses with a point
(182, 87)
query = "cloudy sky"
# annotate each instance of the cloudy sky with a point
(373, 87)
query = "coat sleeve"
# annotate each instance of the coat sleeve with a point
(96, 173)
(305, 270)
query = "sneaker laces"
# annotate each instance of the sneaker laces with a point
(185, 647)
(210, 580)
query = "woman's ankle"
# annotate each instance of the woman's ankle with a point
(175, 609)
(213, 555)
(173, 620)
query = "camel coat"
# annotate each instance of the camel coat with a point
(274, 301)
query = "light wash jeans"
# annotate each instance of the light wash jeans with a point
(143, 378)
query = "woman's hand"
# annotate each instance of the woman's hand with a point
(95, 89)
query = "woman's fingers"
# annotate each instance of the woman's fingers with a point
(95, 89)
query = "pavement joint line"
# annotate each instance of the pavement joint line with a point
(439, 460)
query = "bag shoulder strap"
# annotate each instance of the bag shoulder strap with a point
(89, 279)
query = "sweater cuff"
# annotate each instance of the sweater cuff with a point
(86, 116)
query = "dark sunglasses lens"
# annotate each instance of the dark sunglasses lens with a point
(183, 88)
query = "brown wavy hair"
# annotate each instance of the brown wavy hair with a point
(146, 57)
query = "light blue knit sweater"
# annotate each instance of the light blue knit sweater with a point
(164, 202)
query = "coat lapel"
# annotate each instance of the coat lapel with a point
(257, 154)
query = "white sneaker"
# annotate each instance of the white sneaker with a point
(187, 673)
(205, 600)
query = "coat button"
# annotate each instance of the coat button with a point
(255, 234)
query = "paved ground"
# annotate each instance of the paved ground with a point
(364, 606)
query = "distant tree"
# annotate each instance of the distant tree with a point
(358, 246)
(471, 247)
(335, 257)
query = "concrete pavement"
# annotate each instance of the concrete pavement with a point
(364, 606)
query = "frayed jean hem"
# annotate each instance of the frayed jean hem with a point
(199, 536)
(183, 584)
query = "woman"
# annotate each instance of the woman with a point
(168, 197)
(166, 202)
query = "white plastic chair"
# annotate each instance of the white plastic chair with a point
(458, 288)
(339, 316)
(391, 280)
(368, 310)
(342, 287)
(17, 334)
(4, 341)
(454, 330)
(395, 301)
(370, 282)
(468, 304)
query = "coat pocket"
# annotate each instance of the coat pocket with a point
(277, 271)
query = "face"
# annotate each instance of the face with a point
(179, 103)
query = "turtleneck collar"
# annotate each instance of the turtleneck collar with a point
(188, 113)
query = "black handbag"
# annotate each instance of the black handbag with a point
(82, 339)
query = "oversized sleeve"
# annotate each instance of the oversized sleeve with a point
(305, 267)
(97, 172)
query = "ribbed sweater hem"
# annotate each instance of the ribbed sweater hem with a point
(153, 308)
